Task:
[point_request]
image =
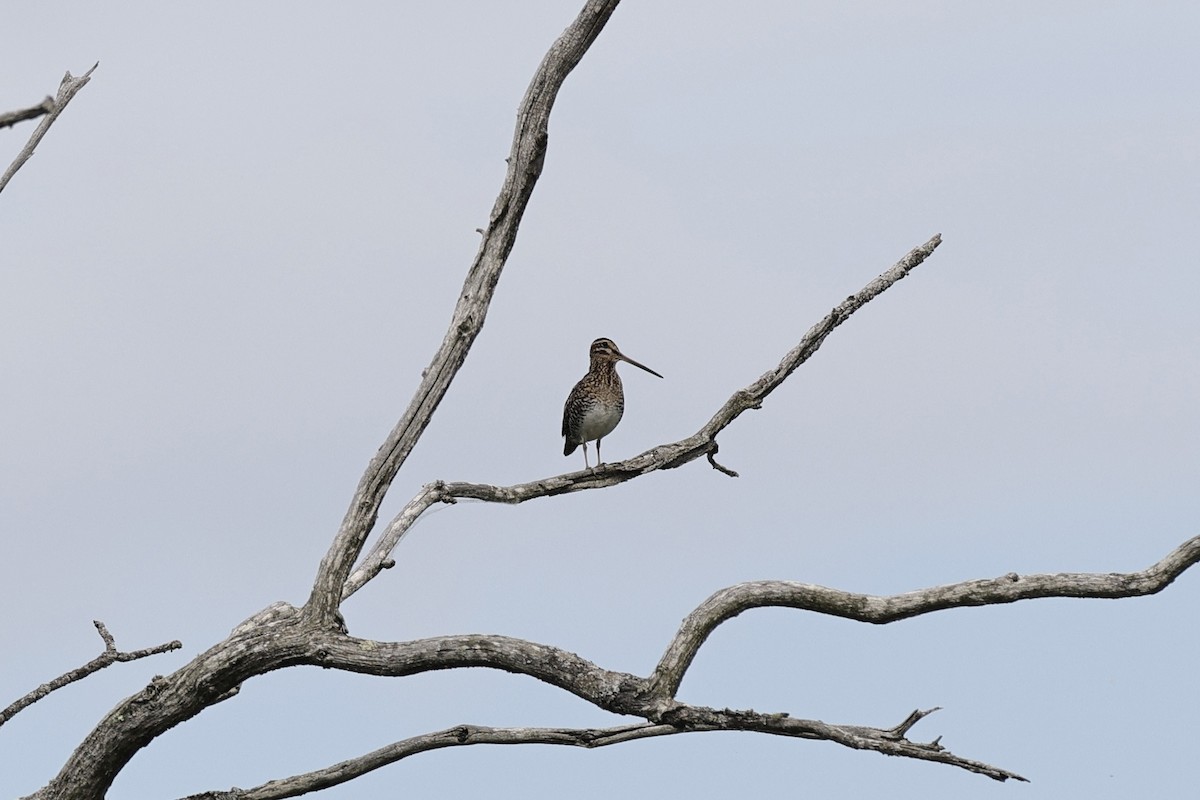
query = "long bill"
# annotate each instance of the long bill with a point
(629, 360)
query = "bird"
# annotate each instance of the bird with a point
(595, 405)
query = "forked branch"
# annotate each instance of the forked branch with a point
(665, 456)
(653, 698)
(66, 90)
(111, 655)
(703, 719)
(524, 167)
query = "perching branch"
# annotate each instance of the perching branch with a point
(283, 636)
(66, 90)
(665, 456)
(111, 655)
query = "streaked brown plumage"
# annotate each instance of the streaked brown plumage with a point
(597, 402)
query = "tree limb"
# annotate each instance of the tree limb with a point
(665, 456)
(653, 698)
(728, 603)
(111, 655)
(459, 735)
(66, 90)
(689, 719)
(524, 167)
(281, 636)
(11, 118)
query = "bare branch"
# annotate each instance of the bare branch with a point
(379, 558)
(901, 730)
(616, 692)
(653, 698)
(858, 737)
(687, 719)
(524, 167)
(712, 462)
(664, 456)
(11, 118)
(1010, 588)
(111, 655)
(66, 90)
(459, 735)
(621, 693)
(280, 636)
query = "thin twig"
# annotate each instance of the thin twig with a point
(66, 90)
(111, 655)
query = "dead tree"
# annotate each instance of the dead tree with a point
(282, 635)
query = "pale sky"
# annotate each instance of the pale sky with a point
(233, 254)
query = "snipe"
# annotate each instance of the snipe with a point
(597, 402)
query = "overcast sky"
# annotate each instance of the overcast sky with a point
(231, 257)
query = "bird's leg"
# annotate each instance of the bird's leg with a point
(598, 461)
(585, 458)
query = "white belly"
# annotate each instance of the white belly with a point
(599, 421)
